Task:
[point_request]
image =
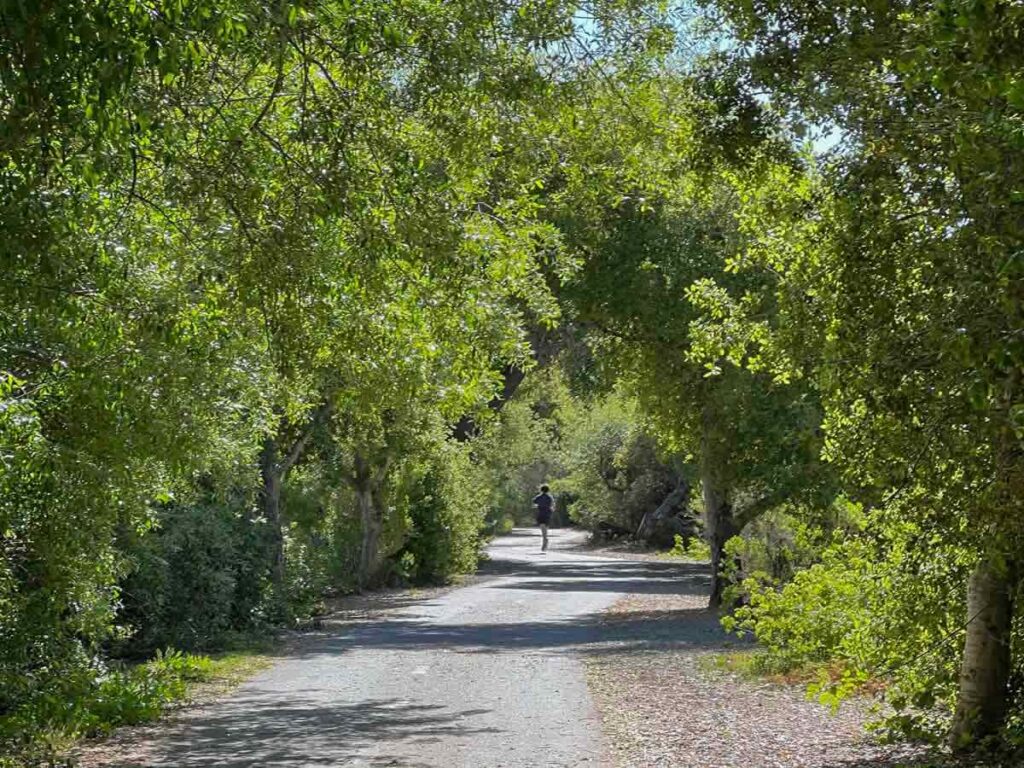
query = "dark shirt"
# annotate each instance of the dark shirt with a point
(544, 503)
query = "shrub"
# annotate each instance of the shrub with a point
(446, 519)
(501, 526)
(617, 474)
(515, 454)
(692, 548)
(198, 577)
(782, 542)
(94, 702)
(881, 607)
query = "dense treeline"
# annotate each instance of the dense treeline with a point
(895, 290)
(258, 257)
(274, 271)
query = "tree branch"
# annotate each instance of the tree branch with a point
(319, 416)
(752, 511)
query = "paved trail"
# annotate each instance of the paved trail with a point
(486, 676)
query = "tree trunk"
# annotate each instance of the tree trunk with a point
(512, 376)
(274, 467)
(371, 528)
(545, 344)
(719, 522)
(985, 669)
(367, 484)
(270, 502)
(719, 527)
(666, 509)
(986, 666)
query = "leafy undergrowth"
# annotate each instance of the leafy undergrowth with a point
(754, 664)
(42, 731)
(693, 550)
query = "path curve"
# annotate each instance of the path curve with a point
(484, 676)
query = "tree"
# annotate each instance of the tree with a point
(523, 446)
(219, 218)
(650, 225)
(898, 281)
(617, 478)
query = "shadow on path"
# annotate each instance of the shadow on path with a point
(590, 633)
(698, 628)
(287, 721)
(261, 729)
(685, 573)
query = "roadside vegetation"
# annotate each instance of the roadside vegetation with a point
(125, 695)
(306, 297)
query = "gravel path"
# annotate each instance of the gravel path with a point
(495, 675)
(486, 676)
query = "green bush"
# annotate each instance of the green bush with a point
(776, 546)
(693, 548)
(501, 525)
(446, 519)
(198, 577)
(95, 702)
(140, 693)
(517, 452)
(312, 558)
(616, 473)
(57, 568)
(817, 616)
(881, 607)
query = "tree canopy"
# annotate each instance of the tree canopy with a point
(274, 271)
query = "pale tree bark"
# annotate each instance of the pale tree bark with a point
(372, 524)
(987, 663)
(274, 467)
(367, 482)
(985, 669)
(719, 527)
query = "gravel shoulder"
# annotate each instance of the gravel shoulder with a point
(666, 706)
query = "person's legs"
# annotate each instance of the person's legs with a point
(544, 535)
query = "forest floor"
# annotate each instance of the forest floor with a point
(562, 659)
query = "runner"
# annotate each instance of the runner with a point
(544, 504)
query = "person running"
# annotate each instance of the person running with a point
(544, 504)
